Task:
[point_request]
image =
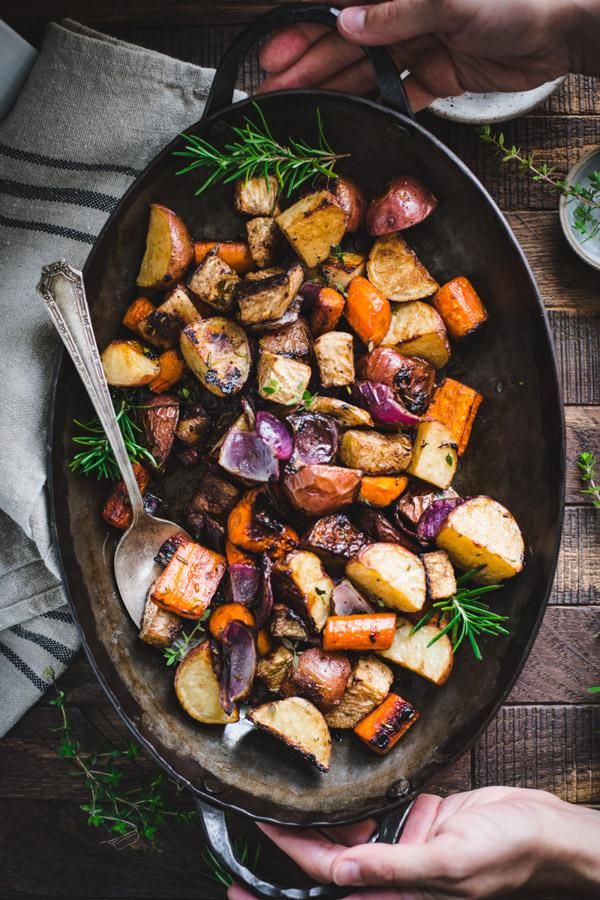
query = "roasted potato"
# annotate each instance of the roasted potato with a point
(345, 414)
(368, 686)
(313, 225)
(405, 203)
(197, 688)
(321, 677)
(300, 581)
(439, 574)
(137, 318)
(384, 727)
(352, 200)
(159, 627)
(275, 668)
(257, 196)
(285, 623)
(159, 418)
(263, 239)
(396, 271)
(434, 455)
(334, 351)
(417, 329)
(412, 651)
(293, 341)
(419, 497)
(390, 573)
(189, 581)
(375, 453)
(410, 377)
(126, 364)
(327, 311)
(482, 532)
(163, 325)
(265, 296)
(168, 251)
(319, 490)
(218, 353)
(339, 270)
(334, 539)
(300, 725)
(215, 496)
(192, 429)
(280, 379)
(214, 282)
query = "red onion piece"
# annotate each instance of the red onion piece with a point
(316, 439)
(238, 664)
(383, 406)
(246, 455)
(379, 528)
(348, 602)
(264, 600)
(309, 293)
(275, 434)
(243, 582)
(434, 516)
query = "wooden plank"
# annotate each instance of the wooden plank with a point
(553, 748)
(577, 345)
(577, 580)
(583, 433)
(577, 96)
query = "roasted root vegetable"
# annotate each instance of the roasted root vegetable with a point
(367, 311)
(188, 583)
(164, 325)
(263, 240)
(418, 498)
(327, 311)
(416, 652)
(266, 295)
(434, 454)
(369, 684)
(300, 580)
(253, 526)
(482, 533)
(299, 725)
(411, 378)
(439, 574)
(405, 203)
(275, 668)
(197, 688)
(222, 615)
(282, 380)
(339, 270)
(236, 254)
(381, 490)
(313, 225)
(369, 631)
(168, 251)
(455, 405)
(321, 677)
(391, 574)
(214, 282)
(192, 429)
(375, 453)
(334, 351)
(172, 370)
(352, 199)
(159, 627)
(334, 539)
(218, 353)
(460, 306)
(417, 329)
(137, 319)
(117, 509)
(159, 417)
(347, 601)
(396, 271)
(384, 727)
(215, 496)
(169, 548)
(126, 364)
(293, 341)
(238, 663)
(345, 414)
(319, 490)
(257, 196)
(287, 624)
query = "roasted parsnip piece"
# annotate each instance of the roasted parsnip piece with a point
(374, 452)
(214, 282)
(439, 573)
(159, 627)
(282, 380)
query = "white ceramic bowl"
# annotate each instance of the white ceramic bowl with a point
(587, 248)
(490, 108)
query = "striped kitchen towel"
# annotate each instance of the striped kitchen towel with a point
(90, 116)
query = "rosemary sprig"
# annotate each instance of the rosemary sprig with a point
(97, 457)
(180, 646)
(587, 472)
(257, 152)
(128, 814)
(468, 616)
(586, 220)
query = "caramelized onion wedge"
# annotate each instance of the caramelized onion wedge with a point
(238, 664)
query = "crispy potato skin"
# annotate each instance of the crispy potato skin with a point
(396, 271)
(375, 453)
(405, 203)
(434, 456)
(169, 249)
(368, 686)
(313, 225)
(318, 490)
(334, 351)
(197, 688)
(218, 353)
(321, 677)
(411, 378)
(352, 200)
(335, 539)
(300, 725)
(300, 580)
(159, 420)
(390, 573)
(412, 651)
(293, 341)
(126, 365)
(345, 414)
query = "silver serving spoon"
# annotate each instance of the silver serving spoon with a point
(135, 568)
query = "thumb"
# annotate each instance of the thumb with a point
(390, 22)
(390, 865)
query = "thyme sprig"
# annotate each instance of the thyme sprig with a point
(97, 457)
(256, 152)
(468, 616)
(586, 215)
(586, 462)
(175, 652)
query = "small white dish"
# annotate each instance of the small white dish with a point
(587, 248)
(484, 109)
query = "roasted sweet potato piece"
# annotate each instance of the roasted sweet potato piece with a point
(369, 631)
(334, 539)
(253, 526)
(159, 418)
(381, 490)
(172, 370)
(215, 496)
(117, 510)
(236, 254)
(455, 405)
(460, 306)
(384, 727)
(169, 548)
(189, 581)
(159, 627)
(136, 319)
(327, 311)
(224, 614)
(321, 677)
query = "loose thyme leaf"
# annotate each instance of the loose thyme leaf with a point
(586, 462)
(180, 646)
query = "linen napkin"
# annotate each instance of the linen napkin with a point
(92, 113)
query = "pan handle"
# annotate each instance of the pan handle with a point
(217, 834)
(221, 93)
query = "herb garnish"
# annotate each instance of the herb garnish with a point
(256, 152)
(175, 652)
(292, 646)
(308, 399)
(270, 387)
(587, 472)
(469, 617)
(337, 253)
(97, 457)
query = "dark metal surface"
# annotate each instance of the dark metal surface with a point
(517, 456)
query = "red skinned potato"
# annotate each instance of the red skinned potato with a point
(406, 202)
(322, 677)
(318, 490)
(159, 419)
(352, 200)
(169, 249)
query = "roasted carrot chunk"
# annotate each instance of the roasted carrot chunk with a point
(381, 490)
(235, 556)
(371, 631)
(139, 310)
(460, 307)
(117, 510)
(368, 312)
(455, 405)
(226, 613)
(235, 253)
(172, 369)
(189, 581)
(384, 727)
(327, 311)
(253, 526)
(264, 644)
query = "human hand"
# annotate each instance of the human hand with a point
(449, 47)
(479, 844)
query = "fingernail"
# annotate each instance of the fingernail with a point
(347, 871)
(353, 19)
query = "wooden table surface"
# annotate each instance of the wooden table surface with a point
(548, 734)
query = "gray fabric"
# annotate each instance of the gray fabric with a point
(91, 115)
